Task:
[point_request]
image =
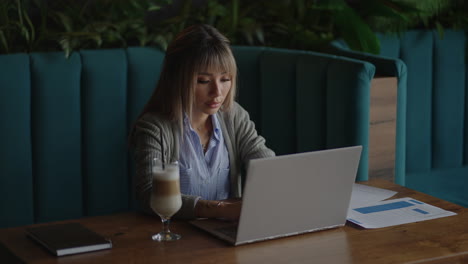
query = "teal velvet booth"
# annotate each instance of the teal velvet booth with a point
(433, 155)
(65, 122)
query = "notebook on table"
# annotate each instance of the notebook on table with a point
(69, 238)
(291, 194)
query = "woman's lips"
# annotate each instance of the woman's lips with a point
(213, 104)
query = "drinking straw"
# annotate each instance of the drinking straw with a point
(162, 148)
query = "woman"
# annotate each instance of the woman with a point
(193, 114)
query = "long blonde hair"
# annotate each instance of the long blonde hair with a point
(194, 50)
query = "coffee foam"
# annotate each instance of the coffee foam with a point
(170, 173)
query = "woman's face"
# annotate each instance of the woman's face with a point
(210, 92)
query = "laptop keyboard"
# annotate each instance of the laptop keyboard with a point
(229, 231)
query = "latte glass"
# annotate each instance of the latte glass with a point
(166, 199)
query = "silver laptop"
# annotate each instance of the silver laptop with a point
(291, 194)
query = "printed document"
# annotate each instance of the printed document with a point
(363, 195)
(394, 212)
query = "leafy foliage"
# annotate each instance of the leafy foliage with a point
(68, 25)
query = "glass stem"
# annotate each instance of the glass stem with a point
(166, 222)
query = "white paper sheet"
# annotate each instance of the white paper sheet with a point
(395, 212)
(363, 195)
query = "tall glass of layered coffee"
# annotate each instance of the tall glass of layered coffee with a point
(165, 196)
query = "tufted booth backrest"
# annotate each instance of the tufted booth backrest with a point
(436, 97)
(436, 114)
(64, 131)
(64, 122)
(437, 111)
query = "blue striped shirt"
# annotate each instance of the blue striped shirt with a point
(204, 174)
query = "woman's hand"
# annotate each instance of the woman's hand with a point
(231, 209)
(228, 209)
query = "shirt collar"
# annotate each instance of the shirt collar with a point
(216, 126)
(214, 121)
(187, 124)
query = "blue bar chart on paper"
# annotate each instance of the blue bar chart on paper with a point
(395, 212)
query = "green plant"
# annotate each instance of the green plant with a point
(301, 24)
(15, 27)
(87, 26)
(235, 18)
(416, 14)
(68, 25)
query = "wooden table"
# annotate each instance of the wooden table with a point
(443, 240)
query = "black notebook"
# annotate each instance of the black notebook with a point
(66, 239)
(6, 256)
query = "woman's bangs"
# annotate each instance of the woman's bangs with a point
(218, 62)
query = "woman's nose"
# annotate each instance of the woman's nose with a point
(216, 89)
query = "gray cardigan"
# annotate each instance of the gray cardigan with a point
(242, 142)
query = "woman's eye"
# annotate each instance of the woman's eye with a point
(203, 81)
(226, 80)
